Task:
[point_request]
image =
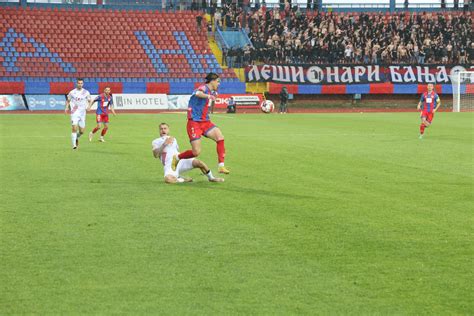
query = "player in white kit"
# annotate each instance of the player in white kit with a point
(77, 102)
(165, 148)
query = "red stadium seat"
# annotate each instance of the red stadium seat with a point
(75, 35)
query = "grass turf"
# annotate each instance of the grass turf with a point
(326, 213)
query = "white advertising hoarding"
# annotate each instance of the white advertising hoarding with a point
(140, 101)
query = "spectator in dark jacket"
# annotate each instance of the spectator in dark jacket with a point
(284, 100)
(199, 23)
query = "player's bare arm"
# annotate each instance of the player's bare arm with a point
(212, 107)
(68, 103)
(438, 104)
(113, 111)
(158, 151)
(203, 95)
(90, 105)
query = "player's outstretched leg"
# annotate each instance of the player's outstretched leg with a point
(74, 136)
(188, 154)
(91, 134)
(422, 130)
(79, 134)
(206, 171)
(216, 135)
(80, 131)
(424, 124)
(104, 131)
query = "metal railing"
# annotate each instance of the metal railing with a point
(220, 40)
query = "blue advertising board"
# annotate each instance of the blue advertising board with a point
(46, 102)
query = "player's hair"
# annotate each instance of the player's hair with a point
(164, 124)
(79, 79)
(211, 76)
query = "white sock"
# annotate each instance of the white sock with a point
(73, 138)
(209, 175)
(221, 164)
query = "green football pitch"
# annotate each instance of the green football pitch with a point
(322, 213)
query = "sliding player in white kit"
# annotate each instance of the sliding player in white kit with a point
(77, 102)
(165, 148)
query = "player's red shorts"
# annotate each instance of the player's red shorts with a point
(102, 118)
(198, 129)
(428, 115)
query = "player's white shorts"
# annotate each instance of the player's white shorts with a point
(78, 119)
(183, 166)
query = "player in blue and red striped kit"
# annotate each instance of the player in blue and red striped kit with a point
(104, 103)
(200, 125)
(428, 105)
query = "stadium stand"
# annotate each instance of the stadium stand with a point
(290, 36)
(45, 45)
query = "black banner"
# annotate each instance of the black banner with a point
(354, 74)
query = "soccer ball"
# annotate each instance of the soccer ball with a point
(267, 106)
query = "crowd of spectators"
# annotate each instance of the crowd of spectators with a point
(285, 35)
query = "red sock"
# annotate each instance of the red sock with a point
(220, 151)
(95, 130)
(422, 129)
(104, 131)
(186, 154)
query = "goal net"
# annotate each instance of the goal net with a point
(463, 91)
